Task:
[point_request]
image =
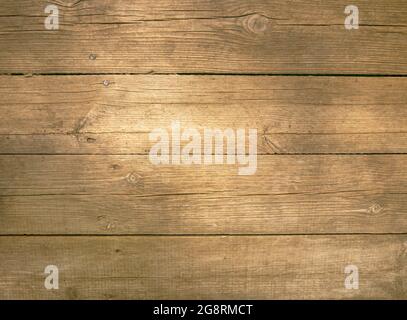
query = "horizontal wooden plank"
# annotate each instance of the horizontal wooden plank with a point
(80, 115)
(129, 195)
(348, 212)
(261, 267)
(190, 36)
(36, 175)
(139, 143)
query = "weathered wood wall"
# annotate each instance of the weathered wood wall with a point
(77, 189)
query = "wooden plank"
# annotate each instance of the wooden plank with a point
(260, 267)
(80, 115)
(353, 212)
(138, 143)
(194, 36)
(129, 195)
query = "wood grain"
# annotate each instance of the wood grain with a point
(77, 189)
(80, 115)
(194, 36)
(128, 195)
(263, 267)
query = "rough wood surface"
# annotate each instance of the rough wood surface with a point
(77, 189)
(128, 195)
(261, 267)
(80, 115)
(190, 36)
